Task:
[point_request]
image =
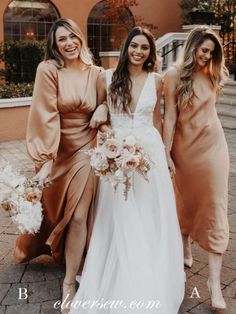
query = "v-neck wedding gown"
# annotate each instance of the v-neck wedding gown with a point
(135, 258)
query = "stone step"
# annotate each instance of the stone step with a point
(229, 91)
(230, 101)
(228, 123)
(226, 106)
(230, 83)
(226, 110)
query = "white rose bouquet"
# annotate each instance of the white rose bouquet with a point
(21, 198)
(116, 160)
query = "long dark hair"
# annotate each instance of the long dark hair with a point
(52, 52)
(119, 91)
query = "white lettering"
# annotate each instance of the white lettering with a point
(195, 294)
(23, 292)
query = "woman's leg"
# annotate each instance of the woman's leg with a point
(188, 258)
(215, 264)
(75, 242)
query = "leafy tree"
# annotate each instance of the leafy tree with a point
(225, 12)
(114, 6)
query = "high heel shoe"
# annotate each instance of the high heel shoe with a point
(188, 262)
(188, 258)
(67, 296)
(217, 304)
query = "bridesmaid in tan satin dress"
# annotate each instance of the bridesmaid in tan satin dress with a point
(58, 133)
(197, 152)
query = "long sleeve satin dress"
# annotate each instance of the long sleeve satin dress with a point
(58, 128)
(200, 154)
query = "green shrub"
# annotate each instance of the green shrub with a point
(11, 90)
(21, 59)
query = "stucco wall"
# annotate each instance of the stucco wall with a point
(13, 123)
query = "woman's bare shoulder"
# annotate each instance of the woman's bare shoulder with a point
(158, 77)
(172, 73)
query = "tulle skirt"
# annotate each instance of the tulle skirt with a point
(135, 259)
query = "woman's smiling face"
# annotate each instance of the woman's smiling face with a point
(138, 50)
(204, 52)
(68, 44)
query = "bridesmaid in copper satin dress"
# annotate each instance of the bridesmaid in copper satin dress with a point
(197, 152)
(58, 133)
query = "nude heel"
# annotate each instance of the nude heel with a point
(67, 296)
(188, 262)
(188, 258)
(217, 304)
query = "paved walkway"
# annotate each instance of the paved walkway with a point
(43, 280)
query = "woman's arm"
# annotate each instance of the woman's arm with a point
(157, 111)
(101, 113)
(43, 129)
(170, 116)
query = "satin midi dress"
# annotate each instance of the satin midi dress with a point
(58, 128)
(200, 154)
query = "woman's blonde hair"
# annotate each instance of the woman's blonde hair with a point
(52, 52)
(216, 68)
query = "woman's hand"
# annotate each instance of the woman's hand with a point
(44, 172)
(106, 128)
(99, 116)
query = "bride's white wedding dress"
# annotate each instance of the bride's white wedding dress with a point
(135, 253)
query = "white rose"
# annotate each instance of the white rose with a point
(98, 160)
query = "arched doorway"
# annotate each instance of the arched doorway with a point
(29, 19)
(107, 29)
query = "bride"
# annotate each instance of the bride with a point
(135, 262)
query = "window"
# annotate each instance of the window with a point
(29, 19)
(107, 29)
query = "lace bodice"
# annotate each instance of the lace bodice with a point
(143, 115)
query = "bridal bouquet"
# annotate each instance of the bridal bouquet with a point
(116, 160)
(21, 198)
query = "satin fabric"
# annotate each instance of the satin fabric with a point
(200, 154)
(58, 128)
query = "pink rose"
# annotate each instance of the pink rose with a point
(128, 162)
(131, 163)
(112, 148)
(34, 196)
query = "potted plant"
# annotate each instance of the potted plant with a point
(203, 13)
